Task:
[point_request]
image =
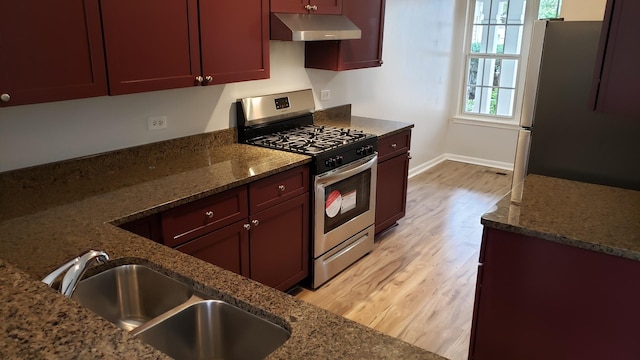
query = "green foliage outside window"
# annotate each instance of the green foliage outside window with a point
(549, 9)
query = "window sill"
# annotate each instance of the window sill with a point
(510, 124)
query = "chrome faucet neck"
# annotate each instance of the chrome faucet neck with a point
(74, 270)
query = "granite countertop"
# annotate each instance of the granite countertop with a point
(51, 213)
(341, 117)
(588, 216)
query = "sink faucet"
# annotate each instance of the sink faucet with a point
(73, 271)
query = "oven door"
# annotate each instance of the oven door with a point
(344, 203)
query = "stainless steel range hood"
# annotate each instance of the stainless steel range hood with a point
(312, 27)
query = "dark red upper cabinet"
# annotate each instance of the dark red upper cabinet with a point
(235, 40)
(617, 73)
(366, 52)
(307, 6)
(151, 45)
(50, 51)
(55, 51)
(182, 43)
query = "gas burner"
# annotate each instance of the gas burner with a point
(310, 139)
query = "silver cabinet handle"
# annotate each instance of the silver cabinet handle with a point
(255, 222)
(282, 188)
(311, 7)
(394, 145)
(199, 79)
(209, 214)
(5, 97)
(246, 226)
(208, 79)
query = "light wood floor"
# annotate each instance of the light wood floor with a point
(419, 282)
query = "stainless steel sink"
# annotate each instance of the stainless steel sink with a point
(212, 329)
(171, 317)
(130, 295)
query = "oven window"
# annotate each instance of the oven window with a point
(346, 199)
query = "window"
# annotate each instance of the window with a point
(494, 54)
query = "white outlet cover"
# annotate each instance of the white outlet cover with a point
(157, 122)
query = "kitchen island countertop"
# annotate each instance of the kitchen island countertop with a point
(593, 217)
(51, 213)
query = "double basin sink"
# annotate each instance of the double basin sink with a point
(174, 319)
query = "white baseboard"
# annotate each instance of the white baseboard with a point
(460, 158)
(479, 161)
(426, 166)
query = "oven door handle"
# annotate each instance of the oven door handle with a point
(346, 171)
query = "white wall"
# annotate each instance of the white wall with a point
(481, 144)
(414, 82)
(576, 10)
(413, 85)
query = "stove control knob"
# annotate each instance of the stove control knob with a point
(361, 151)
(331, 162)
(369, 149)
(339, 160)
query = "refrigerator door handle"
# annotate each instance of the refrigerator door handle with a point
(520, 164)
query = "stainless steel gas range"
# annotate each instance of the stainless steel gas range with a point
(344, 169)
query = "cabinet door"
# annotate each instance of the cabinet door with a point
(327, 6)
(538, 299)
(391, 191)
(235, 40)
(148, 227)
(280, 244)
(227, 248)
(617, 73)
(151, 44)
(50, 50)
(352, 54)
(289, 6)
(298, 6)
(365, 52)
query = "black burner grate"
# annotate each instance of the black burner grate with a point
(309, 139)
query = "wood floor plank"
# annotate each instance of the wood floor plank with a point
(418, 284)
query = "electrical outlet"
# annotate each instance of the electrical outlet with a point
(157, 122)
(325, 95)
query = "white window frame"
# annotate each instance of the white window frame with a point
(531, 14)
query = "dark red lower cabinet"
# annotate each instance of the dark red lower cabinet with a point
(538, 299)
(227, 248)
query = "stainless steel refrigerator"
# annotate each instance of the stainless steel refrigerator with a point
(560, 135)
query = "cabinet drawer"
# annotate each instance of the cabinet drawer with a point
(393, 145)
(278, 188)
(199, 217)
